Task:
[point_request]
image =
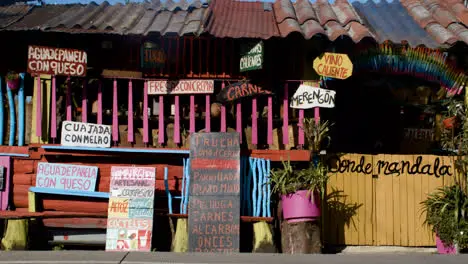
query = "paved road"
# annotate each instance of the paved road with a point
(88, 257)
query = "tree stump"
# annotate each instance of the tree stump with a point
(301, 237)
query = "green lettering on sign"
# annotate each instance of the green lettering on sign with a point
(152, 56)
(251, 56)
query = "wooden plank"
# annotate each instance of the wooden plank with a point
(425, 232)
(387, 181)
(349, 233)
(361, 201)
(341, 225)
(418, 179)
(396, 205)
(411, 206)
(403, 205)
(381, 238)
(369, 205)
(45, 93)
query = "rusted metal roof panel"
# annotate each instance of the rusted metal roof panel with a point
(132, 19)
(391, 22)
(446, 21)
(12, 13)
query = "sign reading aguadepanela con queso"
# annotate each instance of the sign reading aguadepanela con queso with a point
(66, 176)
(56, 61)
(333, 65)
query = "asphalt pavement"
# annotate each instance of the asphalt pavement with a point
(100, 257)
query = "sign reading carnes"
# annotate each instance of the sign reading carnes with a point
(181, 87)
(56, 61)
(334, 65)
(77, 134)
(307, 97)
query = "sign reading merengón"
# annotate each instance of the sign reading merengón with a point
(66, 176)
(214, 203)
(131, 206)
(307, 97)
(56, 61)
(77, 134)
(181, 87)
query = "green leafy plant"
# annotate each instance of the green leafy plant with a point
(11, 75)
(316, 132)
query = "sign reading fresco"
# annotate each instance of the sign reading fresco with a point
(239, 90)
(77, 134)
(131, 207)
(181, 87)
(66, 176)
(334, 65)
(56, 61)
(152, 56)
(214, 204)
(251, 56)
(307, 97)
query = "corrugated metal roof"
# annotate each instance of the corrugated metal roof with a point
(391, 22)
(446, 21)
(136, 18)
(13, 13)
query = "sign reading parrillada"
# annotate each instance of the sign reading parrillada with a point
(251, 57)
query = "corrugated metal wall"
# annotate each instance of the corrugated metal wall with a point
(379, 209)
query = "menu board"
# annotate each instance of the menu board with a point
(131, 207)
(214, 203)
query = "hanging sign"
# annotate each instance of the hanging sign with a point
(238, 90)
(214, 203)
(131, 207)
(419, 134)
(181, 87)
(307, 97)
(66, 176)
(251, 56)
(333, 65)
(77, 134)
(57, 61)
(152, 56)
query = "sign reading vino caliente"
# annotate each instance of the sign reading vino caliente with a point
(239, 90)
(77, 134)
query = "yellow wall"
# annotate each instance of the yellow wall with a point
(389, 211)
(45, 96)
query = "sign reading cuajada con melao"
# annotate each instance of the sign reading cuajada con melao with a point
(77, 134)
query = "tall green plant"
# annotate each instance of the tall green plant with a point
(315, 132)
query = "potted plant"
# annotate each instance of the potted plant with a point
(300, 190)
(315, 133)
(12, 79)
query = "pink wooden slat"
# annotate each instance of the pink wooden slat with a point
(300, 139)
(69, 100)
(99, 98)
(207, 114)
(285, 116)
(39, 107)
(145, 113)
(130, 112)
(317, 115)
(161, 120)
(53, 111)
(254, 122)
(223, 114)
(270, 121)
(115, 117)
(5, 194)
(239, 120)
(192, 114)
(176, 121)
(84, 104)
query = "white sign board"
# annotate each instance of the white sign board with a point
(181, 87)
(307, 97)
(77, 134)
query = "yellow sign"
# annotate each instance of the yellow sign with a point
(334, 65)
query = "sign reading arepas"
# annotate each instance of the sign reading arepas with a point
(77, 134)
(56, 61)
(214, 203)
(334, 65)
(66, 176)
(181, 87)
(307, 97)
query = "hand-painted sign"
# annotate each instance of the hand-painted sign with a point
(66, 176)
(56, 61)
(214, 204)
(181, 87)
(334, 65)
(152, 56)
(77, 134)
(131, 207)
(238, 90)
(251, 57)
(419, 134)
(307, 97)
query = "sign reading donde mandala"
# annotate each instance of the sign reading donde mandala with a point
(334, 65)
(181, 87)
(307, 97)
(56, 61)
(77, 134)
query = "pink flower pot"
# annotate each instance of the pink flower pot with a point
(13, 84)
(443, 249)
(298, 207)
